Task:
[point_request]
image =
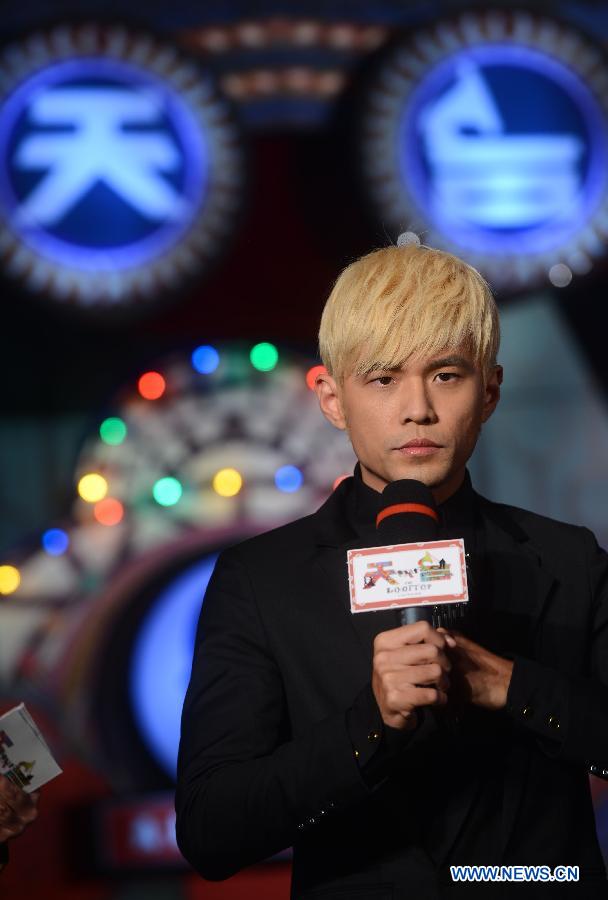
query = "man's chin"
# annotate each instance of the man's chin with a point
(433, 474)
(420, 469)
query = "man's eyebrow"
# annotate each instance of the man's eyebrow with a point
(445, 361)
(439, 362)
(377, 367)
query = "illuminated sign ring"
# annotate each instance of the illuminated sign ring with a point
(449, 150)
(120, 166)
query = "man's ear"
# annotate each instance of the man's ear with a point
(491, 392)
(329, 396)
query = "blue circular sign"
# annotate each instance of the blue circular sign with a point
(162, 659)
(494, 149)
(103, 166)
(116, 175)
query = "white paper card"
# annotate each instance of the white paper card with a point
(400, 575)
(24, 754)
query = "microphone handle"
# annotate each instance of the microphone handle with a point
(440, 615)
(444, 615)
(411, 614)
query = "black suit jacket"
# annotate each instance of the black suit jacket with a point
(281, 667)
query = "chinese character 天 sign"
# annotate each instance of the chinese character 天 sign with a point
(113, 172)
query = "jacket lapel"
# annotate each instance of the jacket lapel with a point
(340, 528)
(364, 625)
(517, 586)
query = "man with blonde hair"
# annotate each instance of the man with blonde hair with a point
(387, 754)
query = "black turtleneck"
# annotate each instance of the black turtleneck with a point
(478, 729)
(458, 512)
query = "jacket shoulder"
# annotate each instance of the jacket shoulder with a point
(541, 530)
(298, 539)
(286, 544)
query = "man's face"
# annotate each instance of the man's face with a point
(421, 421)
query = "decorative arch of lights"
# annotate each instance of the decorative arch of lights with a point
(487, 134)
(121, 167)
(218, 445)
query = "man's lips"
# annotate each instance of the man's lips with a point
(419, 447)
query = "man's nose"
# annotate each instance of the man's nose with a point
(416, 404)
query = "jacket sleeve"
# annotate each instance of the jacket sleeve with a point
(246, 788)
(568, 713)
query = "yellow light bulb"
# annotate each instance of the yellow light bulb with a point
(227, 482)
(92, 487)
(10, 579)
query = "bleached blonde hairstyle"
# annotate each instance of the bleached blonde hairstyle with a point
(398, 302)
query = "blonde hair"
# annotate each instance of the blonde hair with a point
(398, 302)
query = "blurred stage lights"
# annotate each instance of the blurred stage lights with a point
(288, 479)
(92, 487)
(55, 541)
(205, 359)
(560, 275)
(227, 482)
(10, 579)
(167, 491)
(109, 511)
(264, 357)
(113, 431)
(151, 385)
(312, 374)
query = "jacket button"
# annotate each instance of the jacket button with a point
(330, 804)
(553, 722)
(301, 826)
(356, 752)
(605, 772)
(322, 812)
(311, 821)
(373, 736)
(527, 711)
(593, 769)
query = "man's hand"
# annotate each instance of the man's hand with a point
(409, 670)
(17, 809)
(479, 677)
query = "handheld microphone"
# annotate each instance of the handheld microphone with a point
(408, 514)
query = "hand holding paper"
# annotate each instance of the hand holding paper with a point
(17, 809)
(25, 758)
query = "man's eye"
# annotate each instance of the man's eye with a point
(384, 380)
(446, 377)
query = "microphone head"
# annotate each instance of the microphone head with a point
(408, 513)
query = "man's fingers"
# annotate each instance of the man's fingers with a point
(424, 696)
(409, 634)
(10, 822)
(410, 655)
(404, 702)
(458, 640)
(22, 804)
(416, 675)
(449, 637)
(6, 834)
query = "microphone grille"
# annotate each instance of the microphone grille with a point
(404, 503)
(407, 490)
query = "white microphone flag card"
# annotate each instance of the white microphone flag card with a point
(400, 575)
